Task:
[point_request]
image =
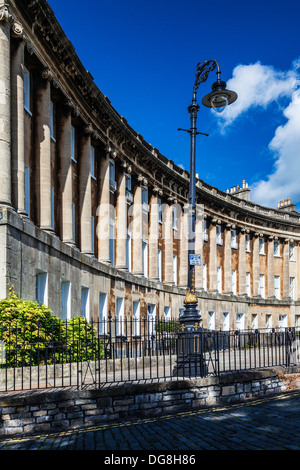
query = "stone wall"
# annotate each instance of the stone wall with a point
(53, 410)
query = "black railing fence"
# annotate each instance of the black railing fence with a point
(96, 354)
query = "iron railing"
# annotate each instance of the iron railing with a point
(81, 354)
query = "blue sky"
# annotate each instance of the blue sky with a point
(143, 56)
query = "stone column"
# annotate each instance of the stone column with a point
(270, 266)
(85, 196)
(227, 260)
(5, 109)
(286, 269)
(255, 265)
(184, 251)
(242, 263)
(121, 216)
(213, 286)
(153, 235)
(103, 211)
(43, 150)
(168, 244)
(17, 119)
(65, 175)
(137, 232)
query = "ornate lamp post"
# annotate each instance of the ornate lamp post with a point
(217, 99)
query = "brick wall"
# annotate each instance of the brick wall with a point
(53, 410)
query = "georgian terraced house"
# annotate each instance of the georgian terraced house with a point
(92, 217)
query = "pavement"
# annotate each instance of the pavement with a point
(268, 423)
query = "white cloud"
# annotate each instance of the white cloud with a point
(259, 85)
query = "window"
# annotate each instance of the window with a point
(219, 279)
(65, 300)
(233, 281)
(102, 313)
(181, 311)
(27, 90)
(248, 243)
(112, 241)
(175, 269)
(145, 256)
(248, 285)
(93, 233)
(277, 287)
(240, 321)
(262, 285)
(226, 321)
(159, 265)
(151, 314)
(211, 320)
(167, 313)
(276, 249)
(112, 176)
(204, 231)
(297, 322)
(128, 251)
(42, 288)
(52, 207)
(219, 235)
(127, 182)
(52, 121)
(136, 327)
(159, 211)
(204, 277)
(254, 323)
(145, 204)
(282, 322)
(27, 190)
(268, 323)
(120, 316)
(292, 288)
(174, 218)
(261, 246)
(292, 252)
(73, 144)
(85, 307)
(73, 222)
(233, 239)
(93, 173)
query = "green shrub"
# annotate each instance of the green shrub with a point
(32, 335)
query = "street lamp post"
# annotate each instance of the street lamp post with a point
(217, 99)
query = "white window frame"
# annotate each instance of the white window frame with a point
(219, 279)
(175, 270)
(85, 302)
(145, 256)
(159, 211)
(240, 321)
(211, 320)
(269, 321)
(27, 189)
(277, 287)
(136, 318)
(73, 144)
(93, 162)
(112, 175)
(226, 321)
(261, 244)
(120, 316)
(276, 249)
(248, 284)
(145, 198)
(234, 244)
(219, 235)
(167, 313)
(102, 312)
(159, 265)
(204, 276)
(233, 281)
(27, 90)
(112, 234)
(292, 288)
(204, 230)
(42, 287)
(151, 316)
(262, 286)
(292, 252)
(254, 321)
(65, 299)
(129, 251)
(282, 322)
(248, 243)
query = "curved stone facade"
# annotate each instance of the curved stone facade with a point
(93, 219)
